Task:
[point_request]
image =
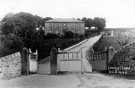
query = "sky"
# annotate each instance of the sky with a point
(118, 13)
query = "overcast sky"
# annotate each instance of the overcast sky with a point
(118, 13)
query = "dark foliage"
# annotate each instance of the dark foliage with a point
(68, 34)
(91, 33)
(51, 36)
(7, 28)
(13, 42)
(88, 22)
(24, 27)
(106, 41)
(97, 22)
(44, 51)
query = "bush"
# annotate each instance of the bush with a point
(68, 34)
(90, 33)
(6, 51)
(12, 41)
(51, 36)
(81, 37)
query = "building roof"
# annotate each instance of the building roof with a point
(60, 20)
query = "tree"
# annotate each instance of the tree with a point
(7, 28)
(78, 19)
(84, 19)
(41, 31)
(13, 42)
(125, 38)
(24, 27)
(99, 23)
(20, 21)
(88, 22)
(43, 20)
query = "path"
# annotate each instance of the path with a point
(86, 44)
(91, 80)
(44, 66)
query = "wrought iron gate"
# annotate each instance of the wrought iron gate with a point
(99, 61)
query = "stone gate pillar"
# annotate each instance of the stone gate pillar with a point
(53, 61)
(111, 52)
(25, 61)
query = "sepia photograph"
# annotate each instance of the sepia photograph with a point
(67, 43)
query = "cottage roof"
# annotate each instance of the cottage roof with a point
(59, 20)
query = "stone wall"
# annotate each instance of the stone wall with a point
(10, 65)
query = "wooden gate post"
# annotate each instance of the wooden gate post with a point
(53, 61)
(25, 61)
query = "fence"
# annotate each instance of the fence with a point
(100, 60)
(98, 55)
(70, 61)
(65, 61)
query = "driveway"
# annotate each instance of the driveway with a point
(68, 80)
(87, 44)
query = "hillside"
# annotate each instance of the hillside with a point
(106, 41)
(125, 57)
(123, 35)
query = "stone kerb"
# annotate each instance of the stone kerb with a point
(10, 65)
